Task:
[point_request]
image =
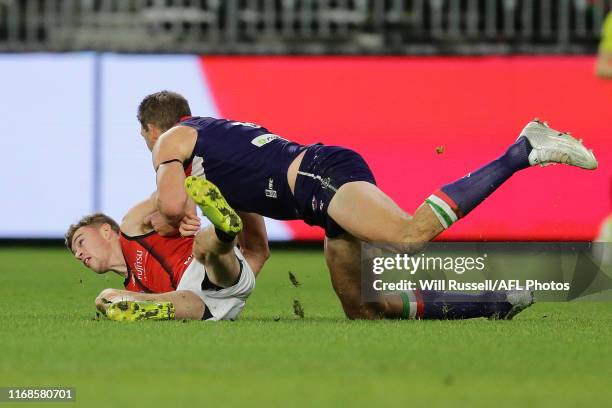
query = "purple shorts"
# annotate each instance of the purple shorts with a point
(324, 169)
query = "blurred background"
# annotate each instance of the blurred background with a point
(426, 90)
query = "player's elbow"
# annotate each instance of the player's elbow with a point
(173, 212)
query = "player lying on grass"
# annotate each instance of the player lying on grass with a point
(329, 186)
(169, 277)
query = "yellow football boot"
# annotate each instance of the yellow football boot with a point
(140, 310)
(213, 205)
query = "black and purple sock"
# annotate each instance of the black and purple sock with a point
(433, 304)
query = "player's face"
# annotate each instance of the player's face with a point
(91, 245)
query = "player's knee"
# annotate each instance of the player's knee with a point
(365, 311)
(355, 309)
(355, 313)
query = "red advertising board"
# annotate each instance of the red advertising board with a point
(397, 112)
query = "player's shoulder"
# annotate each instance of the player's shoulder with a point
(200, 123)
(132, 226)
(179, 132)
(176, 142)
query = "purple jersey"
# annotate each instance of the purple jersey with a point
(248, 164)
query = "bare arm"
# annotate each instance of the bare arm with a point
(144, 217)
(253, 241)
(133, 222)
(172, 149)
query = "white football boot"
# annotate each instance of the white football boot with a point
(551, 146)
(520, 300)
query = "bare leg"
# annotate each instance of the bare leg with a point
(187, 305)
(222, 266)
(342, 255)
(385, 220)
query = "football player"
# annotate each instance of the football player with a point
(331, 187)
(191, 275)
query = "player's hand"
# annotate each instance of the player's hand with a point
(190, 225)
(104, 299)
(159, 224)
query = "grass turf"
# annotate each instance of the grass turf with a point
(555, 354)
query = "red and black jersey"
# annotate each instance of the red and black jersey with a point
(155, 264)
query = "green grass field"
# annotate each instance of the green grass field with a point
(554, 354)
